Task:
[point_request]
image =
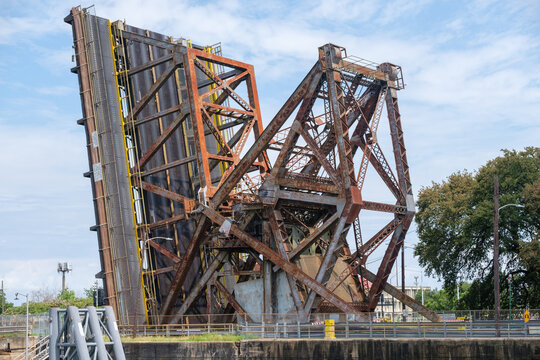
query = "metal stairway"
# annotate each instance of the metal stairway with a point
(38, 351)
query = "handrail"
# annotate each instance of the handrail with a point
(42, 344)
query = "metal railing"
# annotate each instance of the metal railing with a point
(38, 351)
(444, 329)
(465, 324)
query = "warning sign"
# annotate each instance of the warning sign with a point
(526, 316)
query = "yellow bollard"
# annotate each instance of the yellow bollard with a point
(329, 329)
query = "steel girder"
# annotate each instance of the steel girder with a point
(189, 114)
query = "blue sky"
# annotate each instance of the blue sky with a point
(471, 69)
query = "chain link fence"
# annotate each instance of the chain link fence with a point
(16, 324)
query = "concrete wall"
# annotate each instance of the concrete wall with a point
(379, 349)
(16, 344)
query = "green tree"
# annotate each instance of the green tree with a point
(63, 300)
(437, 300)
(67, 295)
(3, 300)
(455, 227)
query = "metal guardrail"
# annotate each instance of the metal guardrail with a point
(38, 351)
(9, 330)
(316, 330)
(463, 315)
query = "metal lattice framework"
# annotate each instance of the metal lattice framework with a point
(278, 210)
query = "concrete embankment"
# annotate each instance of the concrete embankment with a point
(15, 344)
(380, 349)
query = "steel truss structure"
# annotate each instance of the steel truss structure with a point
(84, 334)
(228, 216)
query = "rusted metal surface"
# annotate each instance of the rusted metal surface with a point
(189, 113)
(285, 265)
(212, 268)
(231, 300)
(100, 206)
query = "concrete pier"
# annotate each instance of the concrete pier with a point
(380, 349)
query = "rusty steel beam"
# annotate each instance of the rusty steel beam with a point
(385, 268)
(359, 69)
(328, 56)
(320, 156)
(164, 192)
(150, 64)
(152, 91)
(301, 183)
(328, 261)
(200, 116)
(223, 86)
(404, 298)
(185, 265)
(377, 206)
(147, 40)
(264, 139)
(361, 116)
(160, 271)
(309, 198)
(313, 236)
(224, 76)
(160, 141)
(157, 115)
(166, 222)
(292, 137)
(168, 166)
(220, 60)
(164, 251)
(279, 239)
(400, 155)
(285, 265)
(380, 164)
(231, 300)
(195, 292)
(369, 246)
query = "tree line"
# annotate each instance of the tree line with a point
(43, 299)
(455, 228)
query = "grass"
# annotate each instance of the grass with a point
(18, 334)
(200, 337)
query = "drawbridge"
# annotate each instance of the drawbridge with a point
(202, 209)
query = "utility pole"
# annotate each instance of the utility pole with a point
(510, 297)
(403, 270)
(403, 281)
(3, 297)
(496, 280)
(64, 268)
(96, 295)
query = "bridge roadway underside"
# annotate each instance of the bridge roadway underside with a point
(382, 349)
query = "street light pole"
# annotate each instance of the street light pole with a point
(510, 297)
(496, 280)
(496, 276)
(26, 337)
